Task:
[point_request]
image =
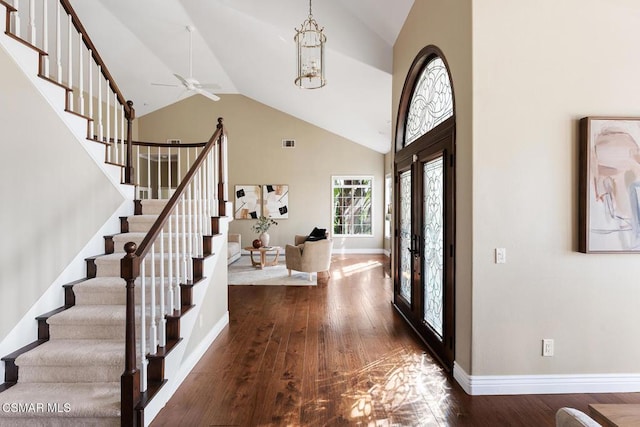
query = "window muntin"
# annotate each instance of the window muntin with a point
(431, 101)
(352, 206)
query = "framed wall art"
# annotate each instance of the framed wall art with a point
(248, 201)
(275, 201)
(609, 185)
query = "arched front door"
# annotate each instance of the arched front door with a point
(424, 252)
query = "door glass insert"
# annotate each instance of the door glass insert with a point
(433, 242)
(405, 236)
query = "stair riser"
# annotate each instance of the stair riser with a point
(87, 331)
(120, 240)
(111, 267)
(116, 297)
(155, 207)
(140, 224)
(68, 374)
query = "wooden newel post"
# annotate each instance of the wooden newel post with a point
(128, 169)
(222, 205)
(130, 380)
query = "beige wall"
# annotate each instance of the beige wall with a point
(447, 25)
(54, 196)
(538, 68)
(256, 156)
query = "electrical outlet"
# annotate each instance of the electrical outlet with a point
(547, 347)
(501, 255)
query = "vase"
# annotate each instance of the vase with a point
(264, 238)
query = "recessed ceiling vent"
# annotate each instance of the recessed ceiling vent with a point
(288, 143)
(174, 141)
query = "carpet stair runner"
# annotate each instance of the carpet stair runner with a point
(73, 378)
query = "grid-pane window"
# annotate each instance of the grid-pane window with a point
(352, 206)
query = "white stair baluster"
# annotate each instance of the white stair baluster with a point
(179, 166)
(90, 82)
(116, 157)
(143, 327)
(225, 172)
(200, 214)
(58, 44)
(45, 37)
(149, 191)
(169, 177)
(99, 104)
(190, 231)
(171, 302)
(153, 328)
(185, 274)
(176, 298)
(123, 137)
(16, 18)
(158, 173)
(80, 75)
(108, 120)
(32, 22)
(137, 166)
(70, 61)
(163, 311)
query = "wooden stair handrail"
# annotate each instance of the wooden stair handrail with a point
(169, 145)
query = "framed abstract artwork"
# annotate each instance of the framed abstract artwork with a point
(609, 185)
(248, 201)
(275, 201)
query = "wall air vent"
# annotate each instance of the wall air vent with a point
(288, 143)
(174, 141)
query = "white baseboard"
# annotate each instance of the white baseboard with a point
(479, 385)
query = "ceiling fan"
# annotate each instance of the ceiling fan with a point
(189, 83)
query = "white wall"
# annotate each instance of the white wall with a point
(54, 197)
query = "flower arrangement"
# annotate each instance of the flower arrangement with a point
(263, 224)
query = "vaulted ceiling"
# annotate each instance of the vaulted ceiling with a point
(246, 47)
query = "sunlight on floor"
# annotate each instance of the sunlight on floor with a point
(356, 268)
(400, 389)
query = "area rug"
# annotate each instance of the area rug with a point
(242, 273)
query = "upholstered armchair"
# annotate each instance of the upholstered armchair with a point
(308, 256)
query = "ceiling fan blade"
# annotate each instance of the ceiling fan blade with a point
(164, 84)
(184, 81)
(207, 94)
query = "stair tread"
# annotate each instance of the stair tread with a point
(75, 353)
(70, 399)
(90, 314)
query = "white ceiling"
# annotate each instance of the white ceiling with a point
(246, 47)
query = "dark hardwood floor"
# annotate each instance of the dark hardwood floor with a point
(338, 354)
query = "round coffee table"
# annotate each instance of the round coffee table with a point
(262, 263)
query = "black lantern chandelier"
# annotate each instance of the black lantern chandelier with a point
(310, 44)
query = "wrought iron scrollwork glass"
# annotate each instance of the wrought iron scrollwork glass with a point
(432, 260)
(431, 102)
(405, 236)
